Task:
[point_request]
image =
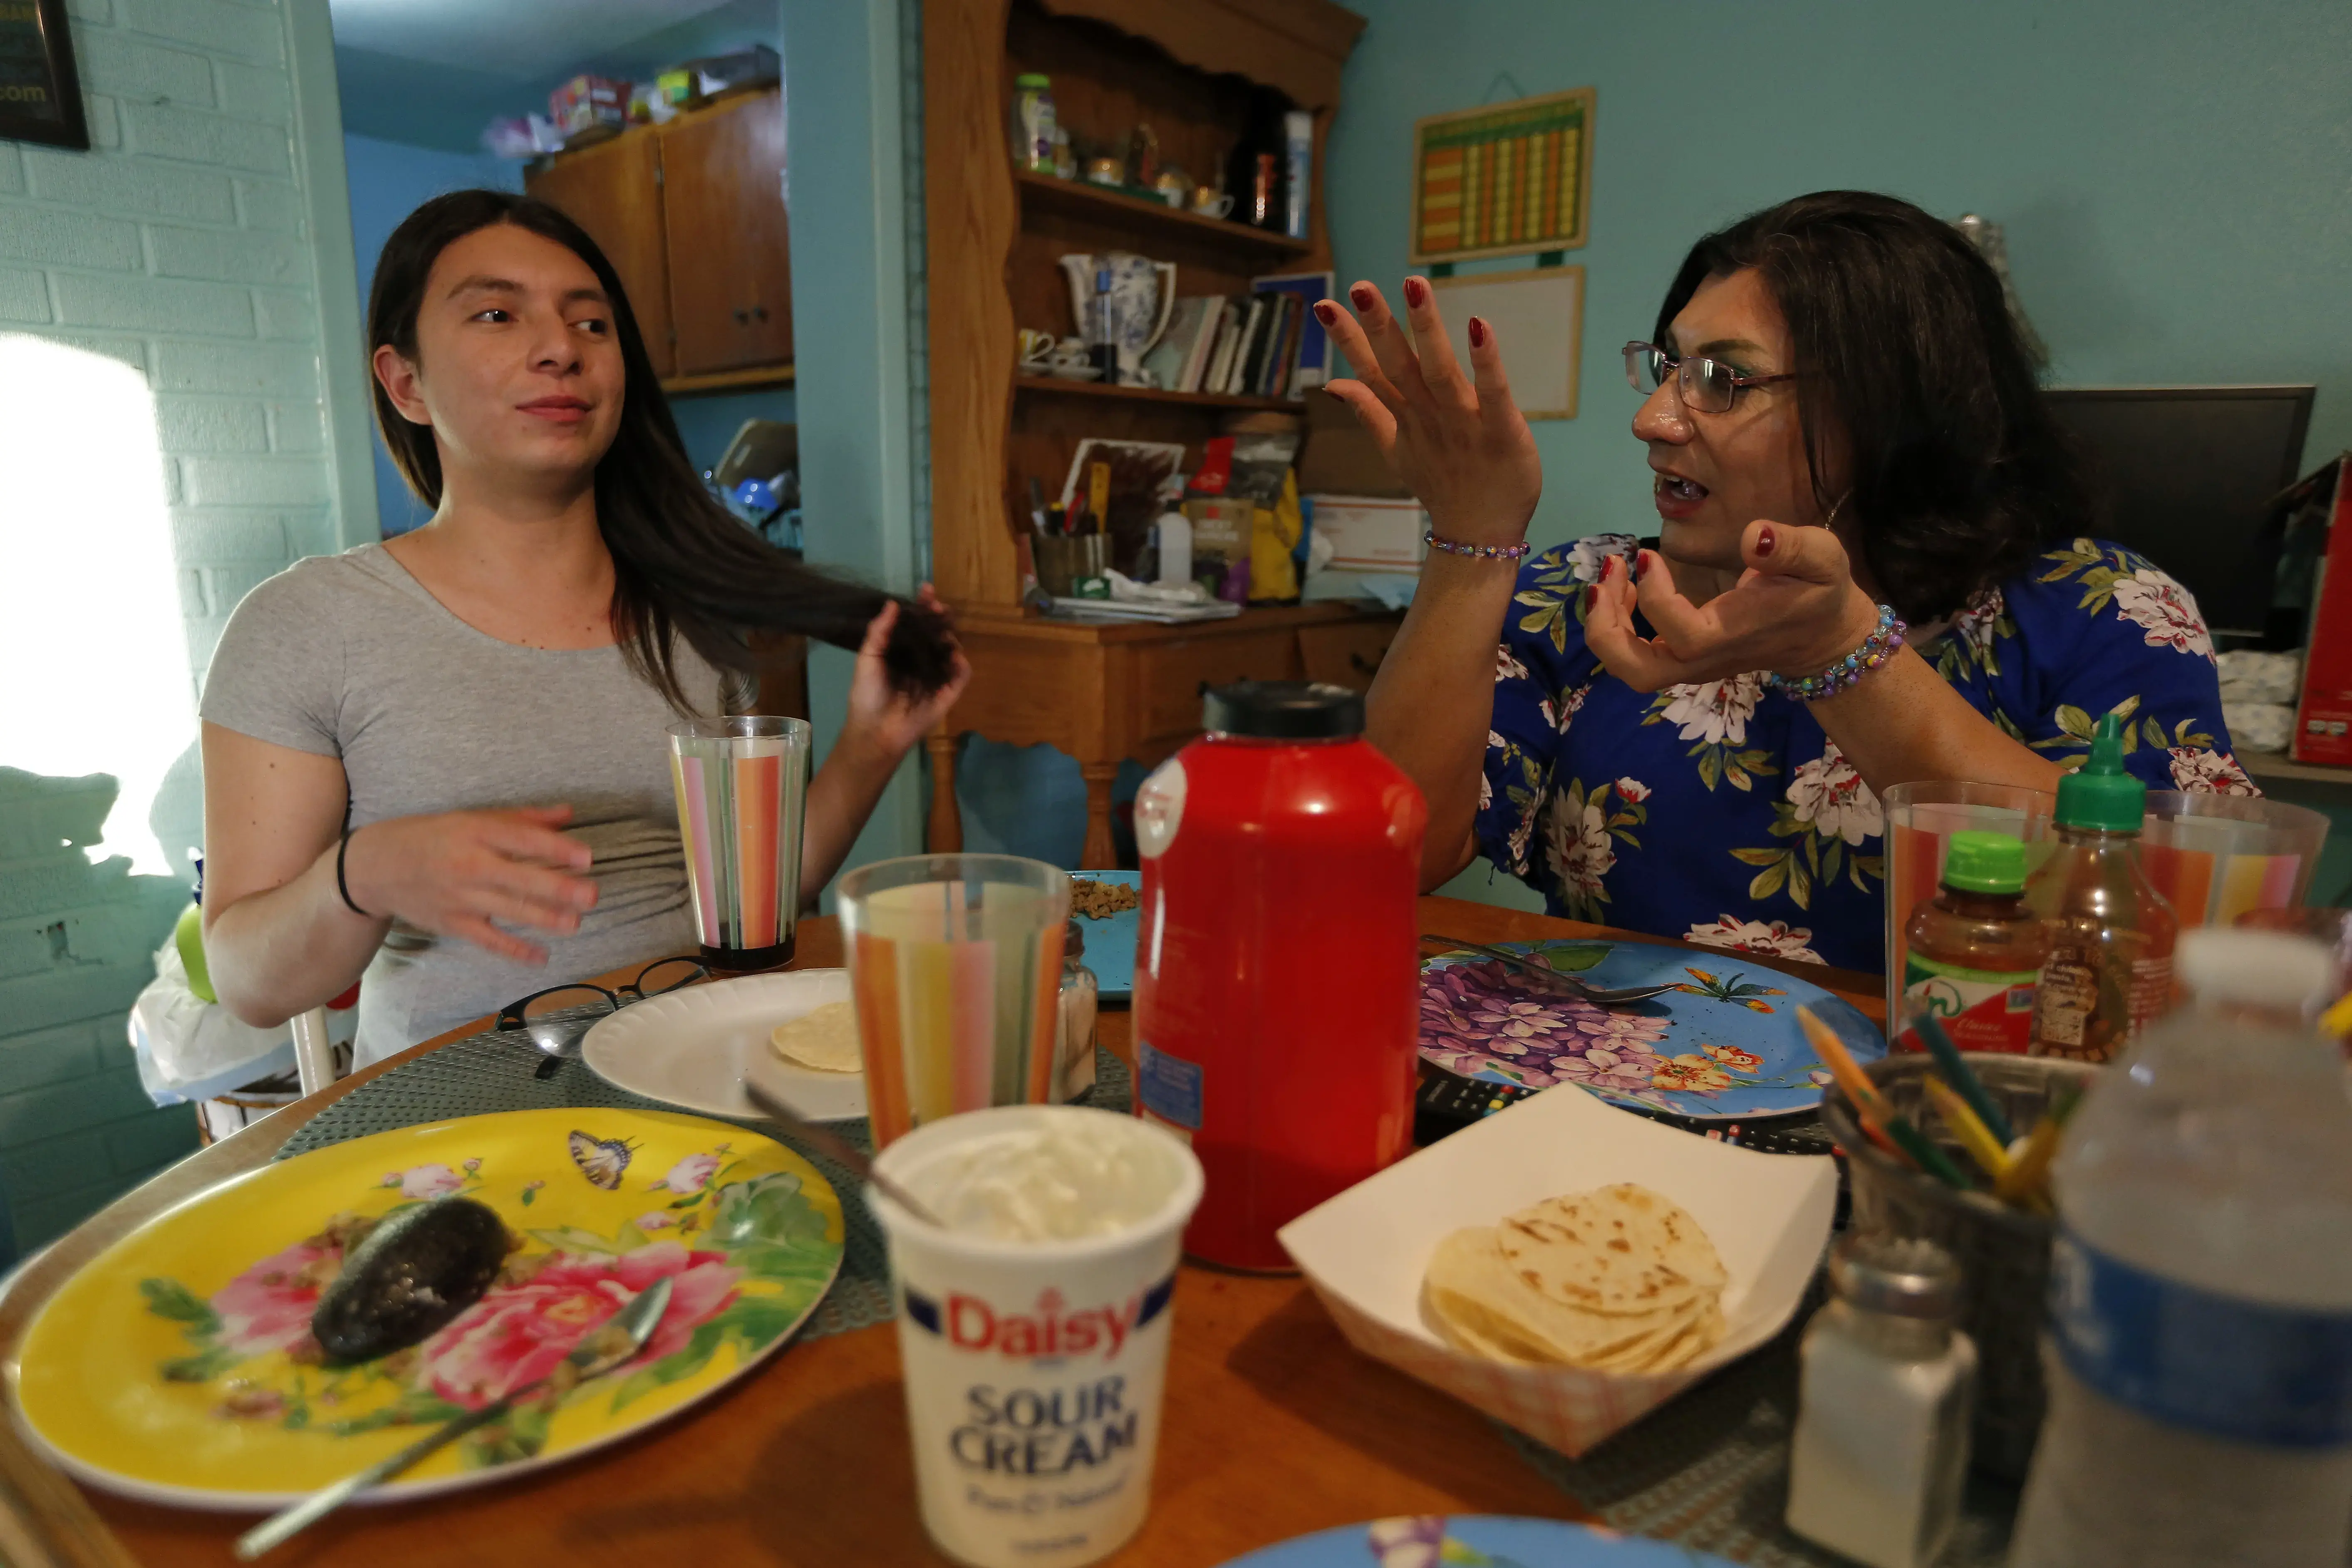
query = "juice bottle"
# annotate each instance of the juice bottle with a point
(2109, 972)
(1974, 949)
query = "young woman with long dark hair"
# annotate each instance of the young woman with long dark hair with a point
(440, 760)
(1846, 437)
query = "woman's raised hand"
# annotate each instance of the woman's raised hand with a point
(452, 874)
(1457, 441)
(880, 715)
(1796, 610)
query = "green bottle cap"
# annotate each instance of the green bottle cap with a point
(1984, 863)
(2099, 794)
(1031, 78)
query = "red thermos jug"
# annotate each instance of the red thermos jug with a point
(1277, 975)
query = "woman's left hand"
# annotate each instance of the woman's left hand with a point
(888, 720)
(1796, 610)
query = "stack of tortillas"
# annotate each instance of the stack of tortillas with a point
(1616, 1280)
(824, 1037)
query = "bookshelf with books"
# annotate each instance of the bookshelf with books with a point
(1198, 73)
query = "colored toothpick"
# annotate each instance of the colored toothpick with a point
(1986, 1150)
(1956, 1073)
(1877, 1117)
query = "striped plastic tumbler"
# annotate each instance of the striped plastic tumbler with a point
(955, 963)
(742, 788)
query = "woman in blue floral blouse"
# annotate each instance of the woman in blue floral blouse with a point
(1846, 437)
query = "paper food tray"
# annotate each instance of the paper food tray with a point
(1366, 1250)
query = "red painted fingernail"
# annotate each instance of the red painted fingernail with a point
(1325, 312)
(1766, 541)
(1363, 296)
(1477, 333)
(1416, 292)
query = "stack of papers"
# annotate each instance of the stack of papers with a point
(1143, 610)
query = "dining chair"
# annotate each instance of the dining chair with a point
(314, 1058)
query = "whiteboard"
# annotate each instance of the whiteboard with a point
(1539, 319)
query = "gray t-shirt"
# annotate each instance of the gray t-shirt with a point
(348, 656)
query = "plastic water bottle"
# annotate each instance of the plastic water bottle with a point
(2200, 1354)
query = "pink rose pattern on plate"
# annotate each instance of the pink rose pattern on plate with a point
(542, 1307)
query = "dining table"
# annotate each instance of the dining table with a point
(1273, 1426)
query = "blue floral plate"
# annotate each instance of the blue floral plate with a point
(1472, 1541)
(1723, 1045)
(1110, 940)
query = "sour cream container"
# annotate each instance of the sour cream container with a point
(1033, 1331)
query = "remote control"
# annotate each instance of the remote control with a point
(1448, 1102)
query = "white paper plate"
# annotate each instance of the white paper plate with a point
(692, 1048)
(1365, 1251)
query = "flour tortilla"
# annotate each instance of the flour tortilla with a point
(824, 1038)
(1480, 1302)
(1621, 1250)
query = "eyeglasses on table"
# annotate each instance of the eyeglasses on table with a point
(559, 1017)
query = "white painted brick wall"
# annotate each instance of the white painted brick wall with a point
(180, 245)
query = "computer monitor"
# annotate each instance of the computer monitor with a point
(2185, 475)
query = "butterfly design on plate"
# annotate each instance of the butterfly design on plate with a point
(601, 1159)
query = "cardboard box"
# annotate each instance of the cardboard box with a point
(1371, 533)
(2322, 720)
(589, 100)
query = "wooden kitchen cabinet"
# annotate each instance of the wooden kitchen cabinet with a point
(1106, 694)
(691, 214)
(614, 190)
(730, 245)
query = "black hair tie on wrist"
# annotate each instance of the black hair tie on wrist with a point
(342, 886)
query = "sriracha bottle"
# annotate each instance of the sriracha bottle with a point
(1278, 972)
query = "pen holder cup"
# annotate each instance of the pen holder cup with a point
(1064, 559)
(2003, 1252)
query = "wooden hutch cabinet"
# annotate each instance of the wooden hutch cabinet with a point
(692, 215)
(1103, 694)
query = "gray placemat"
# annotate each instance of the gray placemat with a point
(1709, 1470)
(493, 1071)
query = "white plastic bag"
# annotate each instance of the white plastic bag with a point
(189, 1048)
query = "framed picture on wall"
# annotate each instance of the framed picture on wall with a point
(40, 95)
(1538, 320)
(1503, 180)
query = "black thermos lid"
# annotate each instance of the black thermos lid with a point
(1284, 710)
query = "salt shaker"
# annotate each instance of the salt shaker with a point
(1882, 1441)
(1073, 1034)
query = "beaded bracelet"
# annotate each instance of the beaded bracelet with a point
(1482, 551)
(1884, 641)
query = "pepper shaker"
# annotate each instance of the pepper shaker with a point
(1882, 1440)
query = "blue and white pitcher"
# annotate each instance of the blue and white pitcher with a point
(1142, 293)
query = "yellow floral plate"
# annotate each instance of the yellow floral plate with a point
(178, 1367)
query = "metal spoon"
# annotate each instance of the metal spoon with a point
(835, 1147)
(1599, 995)
(600, 1353)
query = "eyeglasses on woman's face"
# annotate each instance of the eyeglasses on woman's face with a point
(1705, 385)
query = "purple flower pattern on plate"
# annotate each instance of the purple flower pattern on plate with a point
(1486, 1017)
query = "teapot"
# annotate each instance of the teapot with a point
(1141, 295)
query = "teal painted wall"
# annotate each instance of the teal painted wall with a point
(2171, 174)
(855, 327)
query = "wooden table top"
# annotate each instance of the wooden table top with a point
(1273, 1426)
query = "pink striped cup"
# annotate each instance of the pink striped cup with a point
(743, 789)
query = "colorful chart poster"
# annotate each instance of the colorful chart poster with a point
(1503, 180)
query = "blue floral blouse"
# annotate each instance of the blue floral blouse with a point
(1721, 814)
